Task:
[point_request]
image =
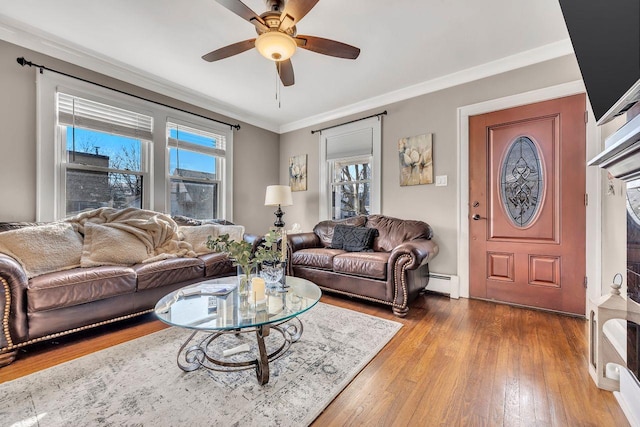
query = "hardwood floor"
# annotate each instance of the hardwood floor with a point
(454, 362)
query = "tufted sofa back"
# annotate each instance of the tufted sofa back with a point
(394, 231)
(391, 231)
(324, 229)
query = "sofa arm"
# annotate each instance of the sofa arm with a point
(13, 303)
(300, 241)
(421, 251)
(254, 239)
(404, 272)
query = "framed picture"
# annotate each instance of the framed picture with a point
(298, 172)
(416, 159)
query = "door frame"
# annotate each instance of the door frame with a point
(592, 185)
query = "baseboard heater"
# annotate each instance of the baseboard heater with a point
(443, 284)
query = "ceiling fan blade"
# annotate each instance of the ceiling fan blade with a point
(245, 12)
(227, 51)
(294, 11)
(285, 70)
(327, 47)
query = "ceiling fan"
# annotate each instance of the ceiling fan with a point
(277, 35)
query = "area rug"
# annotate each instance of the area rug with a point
(139, 384)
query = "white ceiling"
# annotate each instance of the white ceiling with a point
(408, 47)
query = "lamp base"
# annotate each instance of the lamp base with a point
(279, 214)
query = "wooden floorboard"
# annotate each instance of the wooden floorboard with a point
(453, 363)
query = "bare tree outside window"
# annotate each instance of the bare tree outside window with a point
(97, 172)
(351, 188)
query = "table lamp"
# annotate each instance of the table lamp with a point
(278, 195)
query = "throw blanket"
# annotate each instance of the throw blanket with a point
(157, 231)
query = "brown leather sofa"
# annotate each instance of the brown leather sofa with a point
(63, 302)
(394, 272)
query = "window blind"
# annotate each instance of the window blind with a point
(88, 114)
(181, 136)
(352, 144)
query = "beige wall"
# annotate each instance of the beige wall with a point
(432, 113)
(252, 146)
(261, 157)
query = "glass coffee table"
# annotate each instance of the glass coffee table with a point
(216, 309)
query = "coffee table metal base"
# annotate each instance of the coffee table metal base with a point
(201, 355)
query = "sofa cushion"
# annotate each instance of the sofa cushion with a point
(43, 248)
(365, 264)
(217, 264)
(315, 257)
(168, 271)
(78, 286)
(197, 236)
(352, 238)
(324, 229)
(393, 232)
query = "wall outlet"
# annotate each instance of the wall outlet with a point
(441, 181)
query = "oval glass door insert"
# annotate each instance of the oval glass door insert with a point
(521, 181)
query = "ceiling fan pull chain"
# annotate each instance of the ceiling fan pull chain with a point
(278, 90)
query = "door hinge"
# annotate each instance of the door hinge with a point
(586, 199)
(586, 281)
(586, 117)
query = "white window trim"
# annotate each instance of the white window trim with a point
(226, 199)
(155, 158)
(375, 125)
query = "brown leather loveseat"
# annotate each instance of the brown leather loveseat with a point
(48, 305)
(391, 268)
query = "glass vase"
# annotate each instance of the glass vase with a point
(245, 273)
(271, 272)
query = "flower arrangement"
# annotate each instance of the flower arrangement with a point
(240, 252)
(268, 251)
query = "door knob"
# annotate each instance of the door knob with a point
(475, 217)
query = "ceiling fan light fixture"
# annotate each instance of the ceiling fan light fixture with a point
(276, 45)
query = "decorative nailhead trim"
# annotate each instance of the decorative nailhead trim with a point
(402, 279)
(70, 331)
(5, 317)
(356, 295)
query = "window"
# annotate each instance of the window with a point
(196, 171)
(102, 164)
(350, 187)
(97, 147)
(350, 170)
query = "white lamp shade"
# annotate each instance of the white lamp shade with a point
(275, 45)
(278, 195)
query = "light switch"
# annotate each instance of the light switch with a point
(441, 180)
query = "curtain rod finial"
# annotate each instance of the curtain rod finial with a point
(22, 61)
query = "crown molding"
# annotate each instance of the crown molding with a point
(509, 63)
(31, 38)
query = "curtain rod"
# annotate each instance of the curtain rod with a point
(384, 113)
(24, 62)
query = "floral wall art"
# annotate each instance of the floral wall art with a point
(416, 160)
(298, 172)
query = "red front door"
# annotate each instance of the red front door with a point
(527, 205)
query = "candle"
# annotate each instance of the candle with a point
(284, 246)
(258, 285)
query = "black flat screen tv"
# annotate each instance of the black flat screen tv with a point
(606, 40)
